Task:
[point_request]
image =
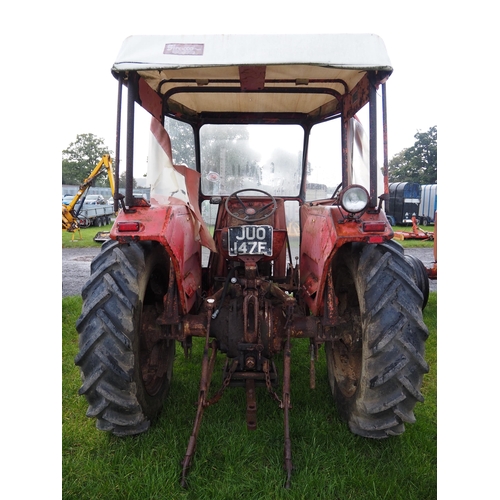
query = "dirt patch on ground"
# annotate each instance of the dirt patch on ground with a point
(76, 269)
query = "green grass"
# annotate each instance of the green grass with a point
(87, 237)
(416, 243)
(231, 462)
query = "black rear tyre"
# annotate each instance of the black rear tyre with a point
(126, 367)
(376, 362)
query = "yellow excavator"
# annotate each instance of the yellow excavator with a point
(70, 221)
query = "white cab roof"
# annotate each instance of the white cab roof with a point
(362, 51)
(286, 66)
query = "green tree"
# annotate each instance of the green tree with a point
(81, 157)
(417, 163)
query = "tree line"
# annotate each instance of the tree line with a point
(418, 163)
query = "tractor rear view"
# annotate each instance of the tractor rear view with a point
(265, 228)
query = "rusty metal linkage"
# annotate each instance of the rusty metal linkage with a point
(206, 376)
(287, 354)
(312, 369)
(286, 408)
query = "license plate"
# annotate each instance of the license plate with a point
(251, 240)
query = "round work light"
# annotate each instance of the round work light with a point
(354, 199)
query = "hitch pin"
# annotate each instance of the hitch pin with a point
(210, 303)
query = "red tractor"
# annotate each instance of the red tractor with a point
(265, 225)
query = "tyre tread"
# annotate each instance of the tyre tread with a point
(106, 329)
(395, 333)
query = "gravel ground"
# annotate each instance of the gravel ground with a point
(76, 267)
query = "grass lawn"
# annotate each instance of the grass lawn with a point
(231, 462)
(84, 239)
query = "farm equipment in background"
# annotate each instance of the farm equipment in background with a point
(428, 204)
(433, 271)
(244, 289)
(403, 202)
(415, 234)
(76, 214)
(418, 234)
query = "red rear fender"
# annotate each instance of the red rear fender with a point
(174, 227)
(324, 229)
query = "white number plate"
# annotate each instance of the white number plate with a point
(250, 240)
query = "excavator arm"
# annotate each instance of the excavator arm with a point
(69, 217)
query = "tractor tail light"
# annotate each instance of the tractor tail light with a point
(373, 227)
(132, 226)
